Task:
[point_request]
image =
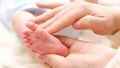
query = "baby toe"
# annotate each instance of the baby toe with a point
(32, 26)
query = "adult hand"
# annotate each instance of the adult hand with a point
(81, 55)
(82, 15)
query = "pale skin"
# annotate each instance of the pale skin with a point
(50, 44)
(53, 60)
(19, 21)
(42, 42)
(81, 15)
(82, 54)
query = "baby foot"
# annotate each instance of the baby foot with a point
(42, 42)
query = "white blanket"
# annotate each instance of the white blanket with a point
(12, 53)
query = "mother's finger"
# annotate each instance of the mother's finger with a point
(93, 1)
(69, 42)
(44, 17)
(55, 17)
(65, 20)
(49, 5)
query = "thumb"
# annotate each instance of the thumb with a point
(97, 24)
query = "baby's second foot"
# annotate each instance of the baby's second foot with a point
(42, 42)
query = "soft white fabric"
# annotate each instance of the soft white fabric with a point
(12, 53)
